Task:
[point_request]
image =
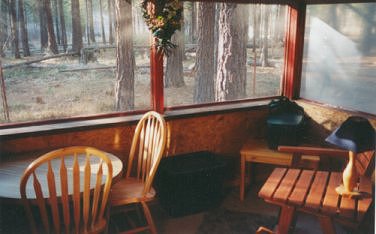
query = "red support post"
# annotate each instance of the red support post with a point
(156, 70)
(294, 50)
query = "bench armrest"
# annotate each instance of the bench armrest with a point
(307, 150)
(298, 151)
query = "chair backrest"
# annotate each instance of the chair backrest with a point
(68, 191)
(147, 148)
(364, 162)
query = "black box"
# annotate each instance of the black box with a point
(190, 183)
(284, 129)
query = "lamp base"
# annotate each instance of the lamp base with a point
(342, 191)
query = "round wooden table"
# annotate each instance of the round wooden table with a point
(11, 173)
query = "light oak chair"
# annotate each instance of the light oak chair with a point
(75, 199)
(147, 148)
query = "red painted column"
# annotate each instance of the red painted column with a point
(156, 70)
(294, 43)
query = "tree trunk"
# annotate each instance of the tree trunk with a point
(56, 18)
(265, 44)
(102, 22)
(174, 68)
(231, 77)
(91, 20)
(23, 28)
(125, 61)
(14, 27)
(43, 27)
(3, 27)
(52, 47)
(4, 95)
(62, 24)
(110, 22)
(256, 26)
(332, 14)
(216, 38)
(189, 21)
(76, 26)
(205, 65)
(194, 22)
(280, 15)
(87, 22)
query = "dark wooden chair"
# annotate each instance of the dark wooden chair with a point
(330, 206)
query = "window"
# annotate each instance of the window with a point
(72, 86)
(208, 68)
(340, 56)
(223, 57)
(229, 56)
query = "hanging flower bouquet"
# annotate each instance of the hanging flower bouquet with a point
(163, 18)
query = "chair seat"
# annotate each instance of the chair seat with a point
(128, 191)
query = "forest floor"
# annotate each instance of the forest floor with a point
(63, 87)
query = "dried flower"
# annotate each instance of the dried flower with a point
(162, 19)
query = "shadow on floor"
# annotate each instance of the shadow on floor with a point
(190, 224)
(12, 218)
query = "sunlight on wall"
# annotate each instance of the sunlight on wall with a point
(117, 139)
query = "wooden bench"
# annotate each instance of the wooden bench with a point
(256, 151)
(314, 192)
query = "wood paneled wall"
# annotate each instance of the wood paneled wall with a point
(221, 133)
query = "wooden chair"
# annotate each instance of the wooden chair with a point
(365, 164)
(147, 148)
(75, 198)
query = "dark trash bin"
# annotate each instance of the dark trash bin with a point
(190, 183)
(286, 123)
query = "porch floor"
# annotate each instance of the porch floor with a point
(189, 224)
(11, 220)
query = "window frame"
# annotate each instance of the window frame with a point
(292, 68)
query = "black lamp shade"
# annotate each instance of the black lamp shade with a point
(355, 134)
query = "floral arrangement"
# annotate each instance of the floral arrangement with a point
(163, 18)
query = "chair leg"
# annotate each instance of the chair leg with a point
(148, 217)
(242, 177)
(107, 214)
(286, 218)
(327, 225)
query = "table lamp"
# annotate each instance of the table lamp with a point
(356, 135)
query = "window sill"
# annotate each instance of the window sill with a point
(67, 126)
(216, 109)
(26, 131)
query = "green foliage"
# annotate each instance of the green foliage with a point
(163, 21)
